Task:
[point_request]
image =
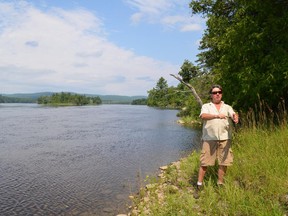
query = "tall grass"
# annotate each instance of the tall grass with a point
(264, 117)
(257, 183)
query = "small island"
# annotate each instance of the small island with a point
(68, 99)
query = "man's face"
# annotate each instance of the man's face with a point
(216, 95)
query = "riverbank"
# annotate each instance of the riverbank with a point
(255, 185)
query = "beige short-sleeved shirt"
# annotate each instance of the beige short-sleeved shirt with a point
(217, 129)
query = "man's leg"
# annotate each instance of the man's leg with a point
(221, 173)
(201, 174)
(225, 158)
(207, 158)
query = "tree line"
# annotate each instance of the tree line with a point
(142, 101)
(180, 97)
(64, 98)
(5, 99)
(244, 49)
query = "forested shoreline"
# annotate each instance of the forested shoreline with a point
(244, 49)
(106, 99)
(68, 99)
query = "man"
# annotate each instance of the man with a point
(216, 136)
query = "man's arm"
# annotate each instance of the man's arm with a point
(208, 116)
(235, 118)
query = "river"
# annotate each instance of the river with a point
(83, 160)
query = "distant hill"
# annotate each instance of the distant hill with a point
(5, 99)
(118, 99)
(28, 95)
(106, 99)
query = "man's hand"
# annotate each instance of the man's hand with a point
(222, 116)
(235, 118)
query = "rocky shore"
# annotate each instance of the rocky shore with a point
(171, 179)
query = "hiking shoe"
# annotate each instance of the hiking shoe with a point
(220, 185)
(197, 190)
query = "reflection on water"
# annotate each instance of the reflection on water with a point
(83, 160)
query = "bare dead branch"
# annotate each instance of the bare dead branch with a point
(191, 88)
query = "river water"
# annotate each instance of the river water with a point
(83, 160)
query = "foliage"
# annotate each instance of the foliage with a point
(68, 99)
(164, 96)
(32, 98)
(142, 101)
(180, 97)
(202, 84)
(188, 71)
(245, 47)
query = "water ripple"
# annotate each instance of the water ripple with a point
(83, 160)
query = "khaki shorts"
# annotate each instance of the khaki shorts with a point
(216, 149)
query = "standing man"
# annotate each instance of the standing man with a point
(216, 136)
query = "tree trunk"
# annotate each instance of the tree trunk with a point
(198, 99)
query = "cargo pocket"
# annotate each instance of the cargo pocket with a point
(202, 157)
(230, 158)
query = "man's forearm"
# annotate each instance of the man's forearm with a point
(208, 116)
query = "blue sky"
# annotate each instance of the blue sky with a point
(101, 47)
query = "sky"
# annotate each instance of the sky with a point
(104, 47)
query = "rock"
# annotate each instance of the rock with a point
(177, 164)
(180, 122)
(146, 199)
(164, 167)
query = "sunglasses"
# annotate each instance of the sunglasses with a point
(216, 92)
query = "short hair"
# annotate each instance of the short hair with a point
(215, 86)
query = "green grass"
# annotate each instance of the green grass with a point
(256, 184)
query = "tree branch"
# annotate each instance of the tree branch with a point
(191, 88)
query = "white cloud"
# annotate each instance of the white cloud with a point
(149, 10)
(184, 24)
(172, 14)
(67, 51)
(172, 20)
(150, 7)
(191, 27)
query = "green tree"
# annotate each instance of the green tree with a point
(142, 101)
(245, 48)
(68, 99)
(161, 84)
(158, 95)
(188, 71)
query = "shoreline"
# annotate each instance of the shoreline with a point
(170, 178)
